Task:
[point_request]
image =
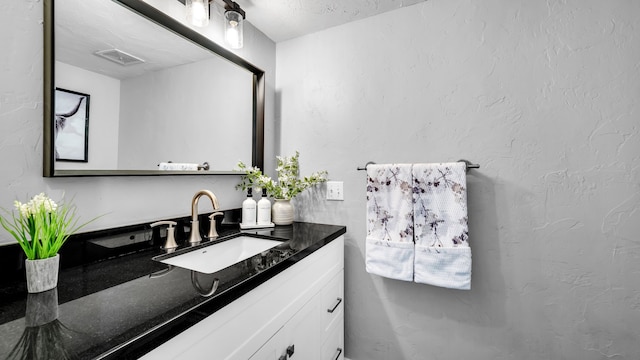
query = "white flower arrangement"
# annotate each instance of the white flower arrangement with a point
(289, 183)
(41, 226)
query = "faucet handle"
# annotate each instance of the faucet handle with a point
(213, 233)
(171, 237)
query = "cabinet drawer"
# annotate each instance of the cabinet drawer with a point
(333, 347)
(333, 302)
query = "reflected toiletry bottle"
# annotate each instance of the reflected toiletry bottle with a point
(249, 210)
(264, 209)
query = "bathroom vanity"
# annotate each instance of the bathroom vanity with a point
(285, 303)
(298, 313)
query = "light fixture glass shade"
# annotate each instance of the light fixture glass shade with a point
(233, 25)
(197, 12)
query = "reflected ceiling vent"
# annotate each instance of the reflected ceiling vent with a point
(119, 56)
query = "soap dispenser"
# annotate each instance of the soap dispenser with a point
(264, 209)
(249, 210)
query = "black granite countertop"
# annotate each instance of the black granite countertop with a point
(126, 305)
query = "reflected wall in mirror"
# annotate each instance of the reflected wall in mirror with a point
(159, 91)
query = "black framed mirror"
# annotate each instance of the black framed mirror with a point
(163, 93)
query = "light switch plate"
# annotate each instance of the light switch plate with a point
(335, 190)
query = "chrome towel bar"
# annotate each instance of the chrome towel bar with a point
(468, 163)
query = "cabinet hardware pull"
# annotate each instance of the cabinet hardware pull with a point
(339, 300)
(338, 352)
(291, 349)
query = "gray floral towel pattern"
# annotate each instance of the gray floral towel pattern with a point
(389, 246)
(442, 252)
(440, 204)
(390, 202)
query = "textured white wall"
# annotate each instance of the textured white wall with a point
(124, 200)
(545, 96)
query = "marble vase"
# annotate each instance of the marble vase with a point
(42, 274)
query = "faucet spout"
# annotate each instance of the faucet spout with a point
(195, 236)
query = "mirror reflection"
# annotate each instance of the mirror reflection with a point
(155, 97)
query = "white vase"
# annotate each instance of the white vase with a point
(282, 212)
(42, 274)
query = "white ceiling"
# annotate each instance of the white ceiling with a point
(82, 25)
(286, 19)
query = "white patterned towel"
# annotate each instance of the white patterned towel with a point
(389, 245)
(442, 252)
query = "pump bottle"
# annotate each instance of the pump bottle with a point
(249, 210)
(264, 209)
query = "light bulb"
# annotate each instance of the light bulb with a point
(233, 29)
(198, 12)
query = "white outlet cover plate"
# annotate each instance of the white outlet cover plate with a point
(335, 190)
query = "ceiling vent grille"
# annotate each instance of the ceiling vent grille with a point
(119, 57)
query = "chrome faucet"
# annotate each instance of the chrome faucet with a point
(195, 236)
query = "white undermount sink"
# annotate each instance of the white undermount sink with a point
(212, 258)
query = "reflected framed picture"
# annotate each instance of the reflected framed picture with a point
(71, 126)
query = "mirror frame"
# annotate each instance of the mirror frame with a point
(150, 13)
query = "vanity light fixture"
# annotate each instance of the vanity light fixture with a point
(198, 11)
(233, 24)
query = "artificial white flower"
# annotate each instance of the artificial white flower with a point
(41, 226)
(289, 184)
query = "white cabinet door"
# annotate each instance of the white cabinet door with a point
(299, 339)
(333, 318)
(333, 303)
(272, 349)
(304, 332)
(333, 348)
